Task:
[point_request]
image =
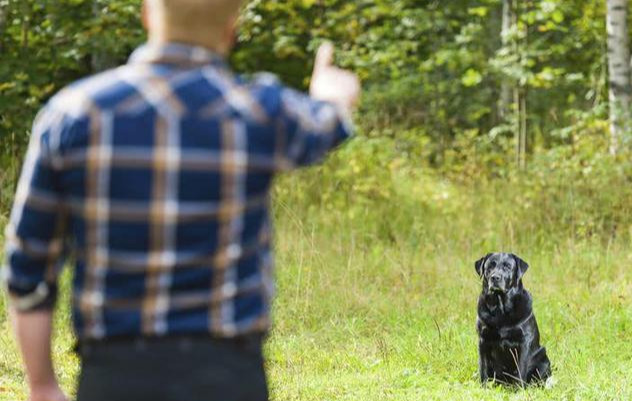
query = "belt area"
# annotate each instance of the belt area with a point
(181, 341)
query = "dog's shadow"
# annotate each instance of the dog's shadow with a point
(514, 388)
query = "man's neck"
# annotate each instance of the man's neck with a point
(172, 37)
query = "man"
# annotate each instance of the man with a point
(159, 172)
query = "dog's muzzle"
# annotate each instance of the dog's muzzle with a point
(496, 289)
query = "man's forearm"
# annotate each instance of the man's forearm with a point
(33, 332)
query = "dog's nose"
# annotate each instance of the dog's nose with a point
(495, 278)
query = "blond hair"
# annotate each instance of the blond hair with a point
(205, 16)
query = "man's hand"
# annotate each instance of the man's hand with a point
(332, 84)
(33, 332)
(51, 392)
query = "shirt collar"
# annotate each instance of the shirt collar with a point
(175, 53)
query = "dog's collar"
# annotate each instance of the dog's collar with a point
(525, 320)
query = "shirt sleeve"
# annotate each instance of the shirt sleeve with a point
(307, 130)
(34, 235)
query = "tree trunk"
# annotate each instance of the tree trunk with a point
(522, 106)
(523, 129)
(100, 60)
(3, 20)
(619, 72)
(26, 20)
(504, 106)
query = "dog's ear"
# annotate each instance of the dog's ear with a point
(522, 266)
(478, 265)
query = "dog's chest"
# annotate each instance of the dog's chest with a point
(504, 337)
(511, 337)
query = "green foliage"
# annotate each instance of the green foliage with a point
(426, 65)
(432, 72)
(439, 65)
(567, 194)
(44, 45)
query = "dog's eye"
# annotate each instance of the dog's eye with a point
(506, 265)
(492, 264)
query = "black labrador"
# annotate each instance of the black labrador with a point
(509, 340)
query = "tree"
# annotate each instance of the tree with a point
(619, 71)
(3, 20)
(438, 74)
(506, 87)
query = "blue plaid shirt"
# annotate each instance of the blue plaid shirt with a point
(156, 175)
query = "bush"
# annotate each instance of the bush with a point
(386, 185)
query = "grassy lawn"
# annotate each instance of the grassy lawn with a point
(362, 318)
(398, 324)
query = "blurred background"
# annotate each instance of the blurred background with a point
(471, 91)
(484, 125)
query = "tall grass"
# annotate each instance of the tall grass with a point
(10, 160)
(369, 313)
(377, 289)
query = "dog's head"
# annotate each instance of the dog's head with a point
(500, 271)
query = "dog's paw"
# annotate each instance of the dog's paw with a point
(550, 382)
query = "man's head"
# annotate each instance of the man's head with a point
(500, 271)
(208, 23)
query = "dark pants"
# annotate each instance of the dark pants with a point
(173, 369)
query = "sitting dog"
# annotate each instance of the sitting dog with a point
(509, 340)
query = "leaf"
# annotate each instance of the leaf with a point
(478, 11)
(471, 78)
(558, 16)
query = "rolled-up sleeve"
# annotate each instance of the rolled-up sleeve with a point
(35, 233)
(308, 129)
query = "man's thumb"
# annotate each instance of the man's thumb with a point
(324, 56)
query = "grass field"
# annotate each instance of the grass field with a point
(362, 318)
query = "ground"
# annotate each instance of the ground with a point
(361, 319)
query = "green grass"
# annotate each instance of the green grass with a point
(360, 317)
(374, 322)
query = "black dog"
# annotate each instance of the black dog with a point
(509, 340)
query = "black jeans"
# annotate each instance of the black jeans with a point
(173, 369)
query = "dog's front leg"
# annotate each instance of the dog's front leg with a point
(483, 364)
(523, 364)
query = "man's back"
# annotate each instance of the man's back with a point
(159, 173)
(162, 168)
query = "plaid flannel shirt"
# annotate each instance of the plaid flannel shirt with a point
(156, 175)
